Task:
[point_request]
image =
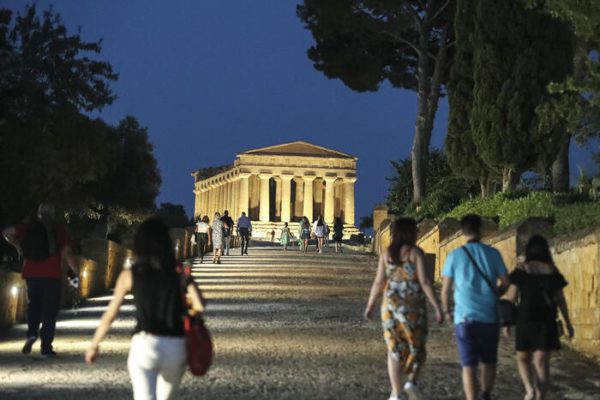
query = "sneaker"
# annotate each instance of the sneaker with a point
(410, 388)
(485, 396)
(48, 353)
(28, 345)
(394, 397)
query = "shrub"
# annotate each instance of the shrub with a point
(569, 213)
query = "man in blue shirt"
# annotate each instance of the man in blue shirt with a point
(244, 228)
(474, 269)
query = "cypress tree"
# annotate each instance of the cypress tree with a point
(460, 148)
(517, 53)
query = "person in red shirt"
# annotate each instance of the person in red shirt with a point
(42, 270)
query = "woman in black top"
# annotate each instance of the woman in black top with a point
(157, 357)
(338, 234)
(539, 287)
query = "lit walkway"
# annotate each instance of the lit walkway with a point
(286, 326)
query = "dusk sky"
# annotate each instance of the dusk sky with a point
(214, 78)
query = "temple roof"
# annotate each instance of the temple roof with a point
(298, 148)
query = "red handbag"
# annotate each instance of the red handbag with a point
(198, 342)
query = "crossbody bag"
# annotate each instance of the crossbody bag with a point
(506, 312)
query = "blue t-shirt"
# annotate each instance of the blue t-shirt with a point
(473, 298)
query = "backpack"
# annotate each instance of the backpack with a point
(38, 244)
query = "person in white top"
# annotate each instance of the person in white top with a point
(203, 236)
(319, 229)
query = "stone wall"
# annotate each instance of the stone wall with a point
(101, 263)
(512, 240)
(13, 298)
(578, 258)
(431, 241)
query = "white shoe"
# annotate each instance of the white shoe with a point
(412, 391)
(394, 397)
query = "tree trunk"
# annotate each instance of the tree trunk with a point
(510, 179)
(429, 88)
(560, 168)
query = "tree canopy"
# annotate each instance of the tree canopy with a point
(445, 189)
(50, 148)
(506, 56)
(406, 43)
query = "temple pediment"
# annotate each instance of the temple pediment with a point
(299, 148)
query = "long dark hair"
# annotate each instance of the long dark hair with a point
(320, 221)
(404, 233)
(153, 246)
(537, 249)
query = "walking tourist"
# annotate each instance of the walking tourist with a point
(157, 357)
(244, 227)
(403, 282)
(538, 285)
(319, 229)
(227, 230)
(338, 234)
(474, 269)
(217, 238)
(304, 233)
(285, 236)
(203, 236)
(326, 233)
(43, 244)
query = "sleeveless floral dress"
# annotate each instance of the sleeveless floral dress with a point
(404, 316)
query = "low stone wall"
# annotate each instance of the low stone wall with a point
(431, 241)
(13, 298)
(578, 258)
(512, 240)
(101, 263)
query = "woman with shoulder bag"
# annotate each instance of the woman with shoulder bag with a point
(404, 287)
(538, 285)
(157, 357)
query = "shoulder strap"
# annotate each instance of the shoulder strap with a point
(484, 276)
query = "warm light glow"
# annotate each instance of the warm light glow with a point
(84, 274)
(14, 291)
(128, 262)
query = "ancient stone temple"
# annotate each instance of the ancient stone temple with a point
(281, 183)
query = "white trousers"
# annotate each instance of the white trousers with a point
(156, 365)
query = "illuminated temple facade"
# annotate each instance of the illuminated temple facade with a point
(281, 183)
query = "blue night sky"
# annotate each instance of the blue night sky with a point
(213, 78)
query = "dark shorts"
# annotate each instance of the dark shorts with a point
(477, 342)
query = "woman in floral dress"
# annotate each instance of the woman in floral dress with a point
(285, 237)
(217, 238)
(403, 282)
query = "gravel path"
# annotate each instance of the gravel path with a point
(285, 326)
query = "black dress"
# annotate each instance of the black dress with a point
(536, 327)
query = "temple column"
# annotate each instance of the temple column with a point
(254, 197)
(229, 187)
(298, 199)
(349, 200)
(220, 198)
(277, 198)
(197, 203)
(308, 197)
(264, 197)
(318, 197)
(211, 201)
(286, 197)
(205, 200)
(244, 194)
(235, 198)
(329, 199)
